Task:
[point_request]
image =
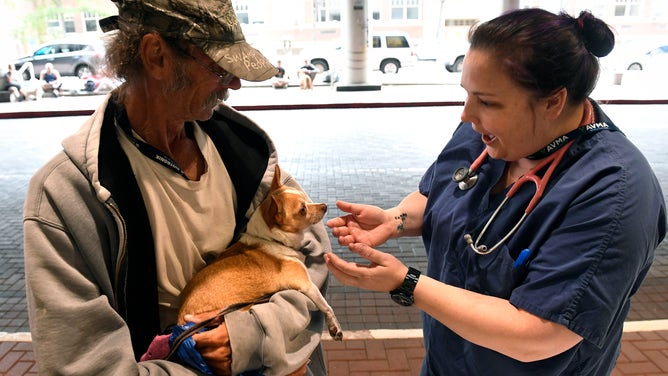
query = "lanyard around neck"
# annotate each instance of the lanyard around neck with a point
(149, 151)
(591, 127)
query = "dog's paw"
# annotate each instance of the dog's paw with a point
(336, 333)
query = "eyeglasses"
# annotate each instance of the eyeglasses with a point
(225, 78)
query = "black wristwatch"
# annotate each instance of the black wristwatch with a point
(404, 294)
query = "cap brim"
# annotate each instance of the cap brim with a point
(241, 60)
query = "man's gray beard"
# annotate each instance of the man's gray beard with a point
(228, 92)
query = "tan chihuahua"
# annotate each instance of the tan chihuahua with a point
(265, 260)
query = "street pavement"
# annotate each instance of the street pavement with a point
(356, 150)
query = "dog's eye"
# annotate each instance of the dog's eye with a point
(303, 210)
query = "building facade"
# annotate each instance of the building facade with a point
(286, 27)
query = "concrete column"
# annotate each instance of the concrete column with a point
(355, 33)
(510, 5)
(355, 36)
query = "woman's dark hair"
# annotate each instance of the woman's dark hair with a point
(544, 52)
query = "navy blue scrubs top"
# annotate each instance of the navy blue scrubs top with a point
(591, 240)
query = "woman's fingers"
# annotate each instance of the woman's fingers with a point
(342, 270)
(345, 206)
(375, 256)
(336, 222)
(380, 274)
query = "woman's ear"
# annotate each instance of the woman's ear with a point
(555, 104)
(154, 54)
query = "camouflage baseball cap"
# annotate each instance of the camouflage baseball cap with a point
(210, 24)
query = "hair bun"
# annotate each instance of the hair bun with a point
(596, 35)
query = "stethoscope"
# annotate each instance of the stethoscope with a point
(466, 178)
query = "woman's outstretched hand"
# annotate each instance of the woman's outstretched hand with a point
(383, 273)
(366, 224)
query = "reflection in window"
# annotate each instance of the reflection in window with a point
(405, 9)
(627, 8)
(328, 10)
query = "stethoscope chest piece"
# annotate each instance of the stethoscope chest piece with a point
(465, 178)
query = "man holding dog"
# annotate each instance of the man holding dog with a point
(158, 181)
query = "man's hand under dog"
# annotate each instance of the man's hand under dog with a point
(214, 345)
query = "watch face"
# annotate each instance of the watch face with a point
(403, 299)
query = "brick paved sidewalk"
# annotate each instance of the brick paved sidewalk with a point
(643, 354)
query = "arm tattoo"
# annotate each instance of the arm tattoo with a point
(401, 217)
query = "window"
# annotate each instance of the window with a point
(658, 51)
(69, 24)
(396, 41)
(54, 22)
(391, 41)
(47, 50)
(374, 9)
(328, 10)
(249, 12)
(405, 9)
(90, 21)
(460, 22)
(627, 8)
(242, 12)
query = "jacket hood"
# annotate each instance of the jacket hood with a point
(83, 146)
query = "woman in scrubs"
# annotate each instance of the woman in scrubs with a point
(551, 298)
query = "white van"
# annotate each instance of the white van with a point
(387, 52)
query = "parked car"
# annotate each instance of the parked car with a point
(387, 53)
(656, 58)
(449, 54)
(453, 56)
(70, 57)
(455, 65)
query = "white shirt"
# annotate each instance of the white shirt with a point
(192, 221)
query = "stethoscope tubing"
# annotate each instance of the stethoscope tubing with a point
(541, 183)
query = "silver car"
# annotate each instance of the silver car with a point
(654, 59)
(78, 58)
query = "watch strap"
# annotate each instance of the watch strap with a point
(404, 293)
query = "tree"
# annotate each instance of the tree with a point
(35, 23)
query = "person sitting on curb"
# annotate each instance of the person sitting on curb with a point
(50, 78)
(280, 80)
(12, 84)
(306, 75)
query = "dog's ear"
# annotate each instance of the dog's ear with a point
(270, 209)
(276, 183)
